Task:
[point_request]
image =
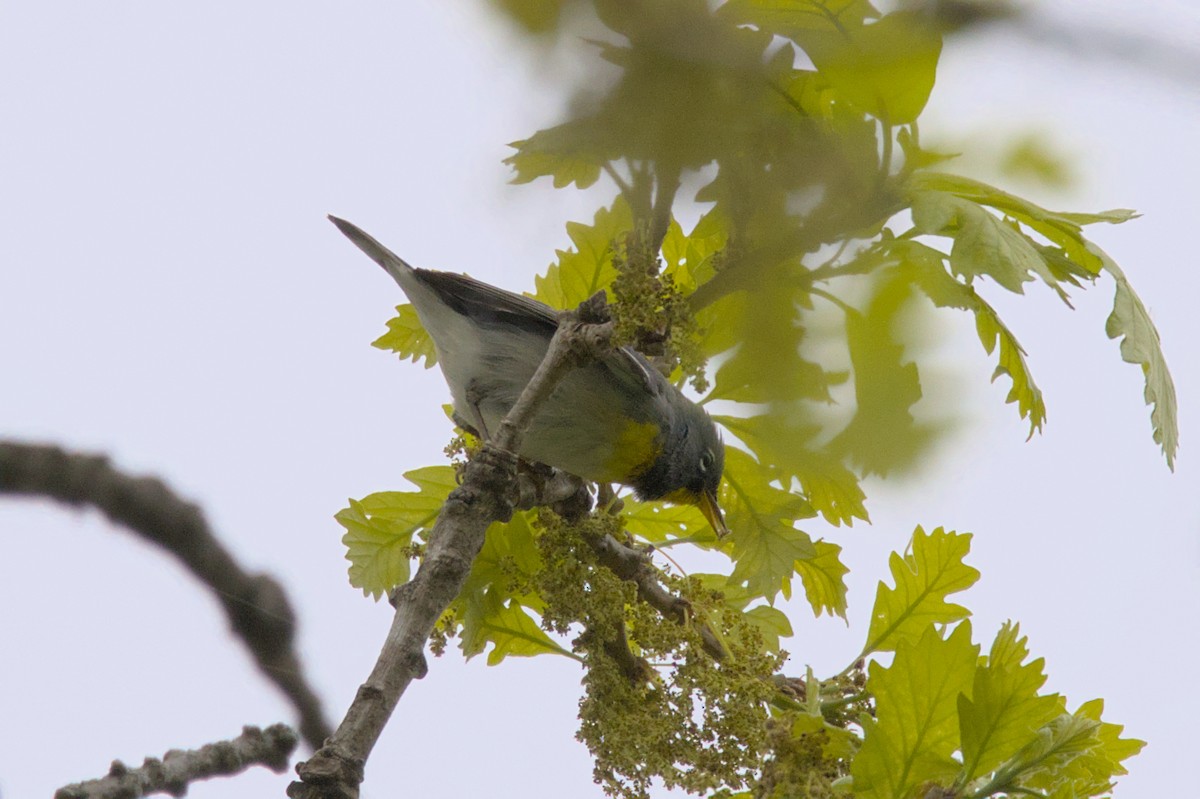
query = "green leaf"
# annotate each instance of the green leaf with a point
(772, 622)
(924, 577)
(658, 523)
(1045, 759)
(407, 338)
(380, 528)
(765, 545)
(587, 268)
(509, 555)
(824, 579)
(946, 292)
(915, 156)
(1064, 229)
(551, 153)
(507, 626)
(912, 739)
(832, 490)
(689, 259)
(785, 446)
(767, 366)
(1076, 754)
(1141, 345)
(887, 69)
(769, 370)
(983, 244)
(837, 743)
(882, 436)
(1005, 711)
(492, 606)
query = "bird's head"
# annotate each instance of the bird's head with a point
(688, 469)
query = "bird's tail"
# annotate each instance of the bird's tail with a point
(393, 264)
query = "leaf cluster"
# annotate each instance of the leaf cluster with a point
(826, 237)
(974, 726)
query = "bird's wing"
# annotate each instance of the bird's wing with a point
(488, 305)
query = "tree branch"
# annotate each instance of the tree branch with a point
(255, 604)
(488, 493)
(632, 564)
(177, 769)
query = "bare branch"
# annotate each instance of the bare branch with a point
(488, 493)
(178, 768)
(256, 605)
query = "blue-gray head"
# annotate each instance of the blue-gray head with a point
(688, 470)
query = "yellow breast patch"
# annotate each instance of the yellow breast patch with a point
(634, 451)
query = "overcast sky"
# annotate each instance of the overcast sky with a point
(170, 294)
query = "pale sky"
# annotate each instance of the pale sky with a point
(171, 294)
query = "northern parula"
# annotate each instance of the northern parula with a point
(615, 420)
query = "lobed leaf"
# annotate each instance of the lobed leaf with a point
(932, 570)
(380, 529)
(689, 259)
(658, 523)
(1063, 229)
(772, 622)
(407, 338)
(944, 291)
(1131, 322)
(1004, 711)
(824, 579)
(786, 447)
(887, 68)
(882, 436)
(1076, 754)
(765, 544)
(509, 551)
(489, 619)
(587, 268)
(562, 153)
(983, 244)
(913, 737)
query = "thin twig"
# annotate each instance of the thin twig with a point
(488, 493)
(664, 200)
(256, 605)
(631, 564)
(625, 188)
(635, 669)
(831, 222)
(177, 769)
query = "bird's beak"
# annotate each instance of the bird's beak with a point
(712, 512)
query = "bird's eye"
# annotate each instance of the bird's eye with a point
(706, 460)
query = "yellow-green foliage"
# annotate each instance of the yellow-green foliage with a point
(788, 130)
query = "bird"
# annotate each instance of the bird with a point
(613, 420)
